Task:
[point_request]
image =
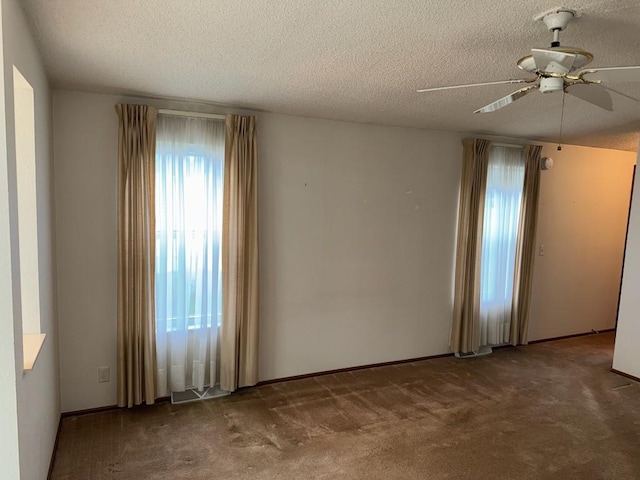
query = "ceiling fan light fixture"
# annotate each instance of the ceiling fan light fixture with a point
(582, 58)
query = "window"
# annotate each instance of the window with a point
(505, 177)
(188, 214)
(189, 179)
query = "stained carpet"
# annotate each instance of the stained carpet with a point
(545, 411)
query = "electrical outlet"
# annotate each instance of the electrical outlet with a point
(103, 374)
(541, 251)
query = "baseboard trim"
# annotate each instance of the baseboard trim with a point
(107, 408)
(418, 359)
(575, 335)
(626, 375)
(88, 411)
(303, 376)
(350, 369)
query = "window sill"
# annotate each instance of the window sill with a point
(31, 346)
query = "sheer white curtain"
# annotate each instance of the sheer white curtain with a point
(189, 185)
(505, 177)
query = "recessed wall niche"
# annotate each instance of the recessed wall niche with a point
(24, 115)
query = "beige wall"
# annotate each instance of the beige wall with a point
(584, 203)
(625, 358)
(38, 395)
(357, 231)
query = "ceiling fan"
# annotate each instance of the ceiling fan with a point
(555, 70)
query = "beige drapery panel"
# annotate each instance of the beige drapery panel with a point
(465, 332)
(523, 271)
(136, 254)
(239, 331)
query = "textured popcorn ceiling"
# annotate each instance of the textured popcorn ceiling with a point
(358, 60)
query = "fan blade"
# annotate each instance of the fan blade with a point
(504, 101)
(617, 92)
(545, 59)
(592, 93)
(612, 74)
(451, 87)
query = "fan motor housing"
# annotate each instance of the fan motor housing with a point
(551, 84)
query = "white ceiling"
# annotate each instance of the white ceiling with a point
(358, 60)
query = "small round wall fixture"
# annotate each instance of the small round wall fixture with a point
(546, 163)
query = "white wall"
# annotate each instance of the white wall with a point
(38, 393)
(85, 171)
(357, 229)
(354, 270)
(9, 452)
(584, 203)
(625, 357)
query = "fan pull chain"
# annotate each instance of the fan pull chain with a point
(561, 122)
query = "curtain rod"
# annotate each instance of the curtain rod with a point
(508, 145)
(191, 114)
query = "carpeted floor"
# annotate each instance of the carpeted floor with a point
(545, 411)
